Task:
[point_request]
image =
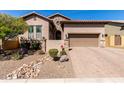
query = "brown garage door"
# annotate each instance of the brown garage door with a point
(83, 40)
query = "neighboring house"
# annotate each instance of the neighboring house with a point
(114, 34)
(60, 30)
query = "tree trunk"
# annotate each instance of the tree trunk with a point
(0, 43)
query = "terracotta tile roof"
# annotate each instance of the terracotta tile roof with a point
(34, 13)
(86, 21)
(73, 21)
(118, 21)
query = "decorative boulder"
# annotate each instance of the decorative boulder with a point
(7, 58)
(64, 58)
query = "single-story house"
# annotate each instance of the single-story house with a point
(61, 30)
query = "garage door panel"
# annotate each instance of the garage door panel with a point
(82, 40)
(83, 35)
(83, 44)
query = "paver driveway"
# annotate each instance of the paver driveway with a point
(97, 62)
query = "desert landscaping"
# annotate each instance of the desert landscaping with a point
(35, 67)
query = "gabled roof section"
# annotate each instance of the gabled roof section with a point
(34, 13)
(58, 14)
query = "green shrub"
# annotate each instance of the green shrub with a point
(63, 52)
(35, 45)
(53, 52)
(17, 56)
(9, 52)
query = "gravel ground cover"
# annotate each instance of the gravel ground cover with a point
(48, 69)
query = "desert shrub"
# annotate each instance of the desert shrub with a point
(1, 57)
(23, 45)
(27, 45)
(9, 52)
(8, 57)
(30, 44)
(17, 56)
(23, 51)
(1, 51)
(53, 52)
(63, 52)
(35, 45)
(5, 55)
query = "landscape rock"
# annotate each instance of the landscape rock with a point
(64, 58)
(61, 66)
(26, 55)
(7, 58)
(24, 72)
(28, 71)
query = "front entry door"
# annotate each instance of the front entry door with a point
(58, 35)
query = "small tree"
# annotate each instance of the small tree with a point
(10, 27)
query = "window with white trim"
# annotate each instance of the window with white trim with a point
(38, 32)
(35, 32)
(31, 32)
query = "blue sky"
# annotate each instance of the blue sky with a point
(74, 14)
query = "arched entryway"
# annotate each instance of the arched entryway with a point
(58, 35)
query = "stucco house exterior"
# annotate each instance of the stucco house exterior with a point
(61, 30)
(114, 34)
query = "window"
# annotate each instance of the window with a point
(31, 32)
(38, 32)
(35, 32)
(122, 28)
(117, 40)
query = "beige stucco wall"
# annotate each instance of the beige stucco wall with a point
(111, 38)
(112, 41)
(122, 38)
(38, 21)
(113, 29)
(54, 44)
(86, 29)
